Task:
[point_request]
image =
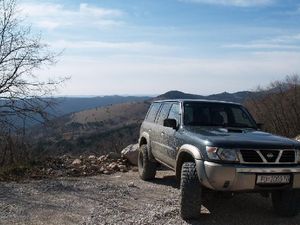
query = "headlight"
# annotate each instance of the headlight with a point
(298, 155)
(228, 154)
(225, 154)
(212, 153)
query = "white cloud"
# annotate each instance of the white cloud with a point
(285, 42)
(127, 47)
(286, 38)
(263, 46)
(51, 16)
(237, 3)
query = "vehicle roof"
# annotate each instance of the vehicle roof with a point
(196, 100)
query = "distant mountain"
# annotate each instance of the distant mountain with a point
(178, 95)
(238, 97)
(66, 105)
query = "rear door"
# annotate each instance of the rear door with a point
(158, 148)
(149, 125)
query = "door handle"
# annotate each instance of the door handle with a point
(149, 130)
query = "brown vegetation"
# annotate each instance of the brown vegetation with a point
(278, 107)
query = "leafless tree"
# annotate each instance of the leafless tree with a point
(278, 106)
(23, 94)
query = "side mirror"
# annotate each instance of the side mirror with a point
(170, 123)
(260, 125)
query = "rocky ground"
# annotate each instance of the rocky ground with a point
(68, 166)
(122, 198)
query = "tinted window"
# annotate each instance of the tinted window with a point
(216, 114)
(174, 113)
(164, 112)
(152, 112)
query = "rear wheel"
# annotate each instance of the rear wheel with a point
(147, 168)
(190, 192)
(285, 202)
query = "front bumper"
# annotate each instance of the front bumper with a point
(236, 177)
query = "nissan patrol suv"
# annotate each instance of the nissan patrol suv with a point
(213, 145)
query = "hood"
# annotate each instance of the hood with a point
(241, 138)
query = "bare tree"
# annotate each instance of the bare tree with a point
(23, 94)
(278, 106)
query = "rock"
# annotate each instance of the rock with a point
(92, 157)
(102, 169)
(131, 153)
(84, 167)
(297, 138)
(131, 184)
(113, 155)
(113, 166)
(123, 168)
(106, 172)
(76, 162)
(102, 158)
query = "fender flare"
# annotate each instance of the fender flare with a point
(146, 136)
(186, 150)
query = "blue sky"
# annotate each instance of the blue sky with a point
(152, 46)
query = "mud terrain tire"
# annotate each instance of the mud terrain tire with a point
(190, 192)
(147, 168)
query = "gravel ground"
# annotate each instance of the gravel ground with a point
(122, 198)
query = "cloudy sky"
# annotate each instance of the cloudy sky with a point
(151, 46)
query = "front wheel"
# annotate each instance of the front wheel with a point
(285, 202)
(190, 192)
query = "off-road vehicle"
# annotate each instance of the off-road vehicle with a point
(214, 145)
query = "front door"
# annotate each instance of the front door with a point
(169, 140)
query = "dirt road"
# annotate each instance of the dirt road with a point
(122, 199)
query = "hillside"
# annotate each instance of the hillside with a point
(99, 130)
(65, 105)
(107, 128)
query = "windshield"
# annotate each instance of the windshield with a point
(217, 114)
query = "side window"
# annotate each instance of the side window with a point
(164, 112)
(152, 112)
(174, 113)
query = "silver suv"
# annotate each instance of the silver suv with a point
(218, 146)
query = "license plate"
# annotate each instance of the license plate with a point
(273, 179)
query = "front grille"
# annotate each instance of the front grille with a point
(250, 156)
(268, 156)
(287, 156)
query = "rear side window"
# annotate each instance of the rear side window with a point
(152, 112)
(164, 112)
